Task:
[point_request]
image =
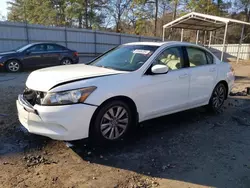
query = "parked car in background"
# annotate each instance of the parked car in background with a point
(37, 55)
(128, 84)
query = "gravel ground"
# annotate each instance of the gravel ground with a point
(188, 149)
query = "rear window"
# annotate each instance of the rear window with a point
(196, 56)
(52, 47)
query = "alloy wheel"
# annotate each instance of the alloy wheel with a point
(13, 66)
(114, 122)
(218, 97)
(66, 62)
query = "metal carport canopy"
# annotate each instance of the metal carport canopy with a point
(198, 21)
(204, 22)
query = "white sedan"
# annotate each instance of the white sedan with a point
(127, 85)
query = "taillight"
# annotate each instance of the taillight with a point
(231, 68)
(75, 54)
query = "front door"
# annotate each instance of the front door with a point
(203, 73)
(34, 56)
(162, 94)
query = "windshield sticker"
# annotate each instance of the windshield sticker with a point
(144, 52)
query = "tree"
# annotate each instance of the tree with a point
(245, 6)
(117, 9)
(72, 13)
(32, 11)
(2, 17)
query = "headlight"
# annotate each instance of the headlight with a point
(68, 97)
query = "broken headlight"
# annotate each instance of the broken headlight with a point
(67, 97)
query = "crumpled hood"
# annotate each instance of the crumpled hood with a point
(45, 79)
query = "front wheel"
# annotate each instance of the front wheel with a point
(112, 122)
(13, 66)
(218, 97)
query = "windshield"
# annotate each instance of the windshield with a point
(125, 57)
(23, 47)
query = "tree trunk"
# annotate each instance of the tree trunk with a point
(118, 8)
(86, 14)
(80, 21)
(156, 16)
(247, 13)
(175, 9)
(91, 16)
(118, 24)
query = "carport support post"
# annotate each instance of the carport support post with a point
(197, 36)
(210, 37)
(163, 34)
(224, 42)
(182, 31)
(239, 46)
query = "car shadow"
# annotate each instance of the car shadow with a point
(22, 141)
(168, 147)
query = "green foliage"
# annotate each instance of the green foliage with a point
(57, 12)
(128, 16)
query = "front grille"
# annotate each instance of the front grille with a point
(32, 96)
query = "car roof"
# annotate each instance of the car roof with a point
(34, 43)
(166, 43)
(162, 43)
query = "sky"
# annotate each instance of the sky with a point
(3, 7)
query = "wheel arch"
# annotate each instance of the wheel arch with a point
(66, 57)
(224, 82)
(11, 59)
(123, 98)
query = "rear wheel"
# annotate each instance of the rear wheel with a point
(13, 66)
(218, 97)
(112, 122)
(66, 61)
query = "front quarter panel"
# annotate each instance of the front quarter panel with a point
(120, 84)
(6, 58)
(108, 86)
(111, 86)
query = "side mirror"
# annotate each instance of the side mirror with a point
(159, 69)
(28, 52)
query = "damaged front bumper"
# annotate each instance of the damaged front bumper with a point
(67, 122)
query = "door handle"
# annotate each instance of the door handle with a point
(211, 69)
(183, 75)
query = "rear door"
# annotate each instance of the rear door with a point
(55, 53)
(203, 74)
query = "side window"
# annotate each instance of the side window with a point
(37, 48)
(196, 57)
(51, 47)
(172, 57)
(210, 58)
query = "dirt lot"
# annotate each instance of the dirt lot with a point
(188, 149)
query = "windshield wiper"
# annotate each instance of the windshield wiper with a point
(106, 67)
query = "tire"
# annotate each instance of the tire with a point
(218, 97)
(66, 61)
(13, 66)
(112, 122)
